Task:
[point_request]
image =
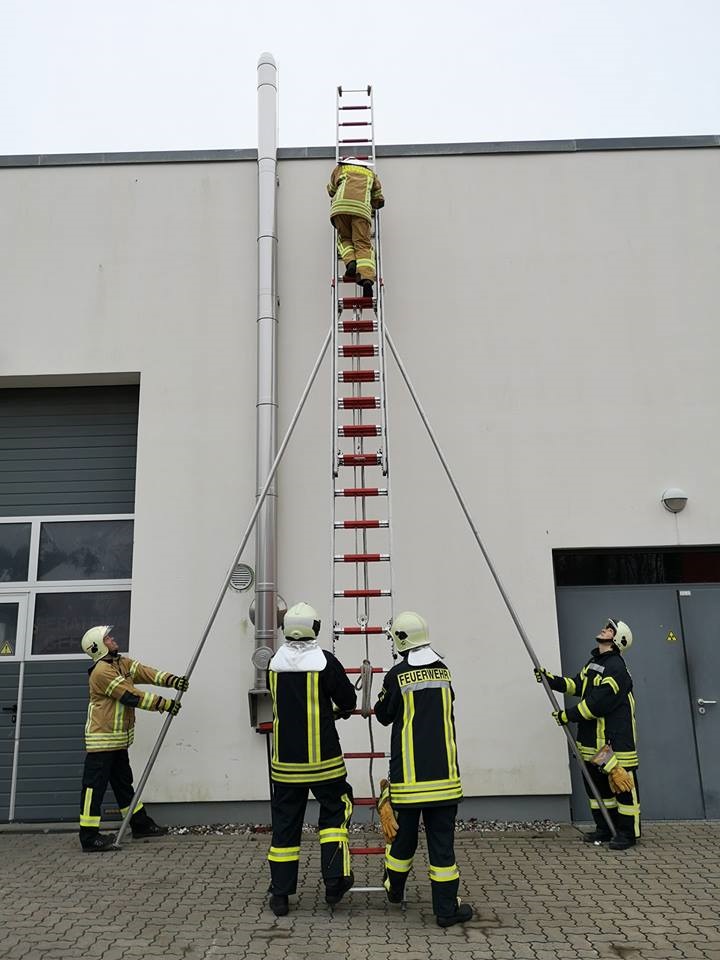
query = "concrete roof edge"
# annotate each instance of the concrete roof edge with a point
(390, 150)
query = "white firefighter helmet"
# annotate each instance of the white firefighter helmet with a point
(93, 642)
(301, 622)
(409, 630)
(357, 161)
(623, 634)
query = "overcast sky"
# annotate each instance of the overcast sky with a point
(95, 75)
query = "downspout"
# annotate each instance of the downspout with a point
(267, 403)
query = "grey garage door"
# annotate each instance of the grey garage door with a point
(64, 453)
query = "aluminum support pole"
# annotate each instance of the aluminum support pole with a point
(226, 583)
(503, 593)
(267, 399)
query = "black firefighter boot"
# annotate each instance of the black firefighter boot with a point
(143, 826)
(335, 890)
(463, 913)
(99, 843)
(367, 286)
(350, 270)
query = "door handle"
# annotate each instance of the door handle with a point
(13, 711)
(703, 703)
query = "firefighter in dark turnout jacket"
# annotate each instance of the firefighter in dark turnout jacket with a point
(110, 730)
(417, 699)
(605, 716)
(309, 691)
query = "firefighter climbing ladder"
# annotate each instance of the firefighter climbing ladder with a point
(362, 530)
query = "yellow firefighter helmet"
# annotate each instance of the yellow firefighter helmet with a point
(301, 622)
(409, 630)
(93, 642)
(623, 635)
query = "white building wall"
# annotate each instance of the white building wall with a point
(557, 315)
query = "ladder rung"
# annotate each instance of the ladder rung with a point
(358, 326)
(355, 140)
(361, 557)
(359, 460)
(366, 851)
(364, 801)
(355, 303)
(358, 403)
(359, 525)
(365, 755)
(358, 376)
(354, 670)
(358, 350)
(356, 106)
(354, 123)
(357, 156)
(360, 430)
(361, 492)
(359, 713)
(358, 631)
(369, 592)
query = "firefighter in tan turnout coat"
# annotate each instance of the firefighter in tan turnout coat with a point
(110, 730)
(356, 192)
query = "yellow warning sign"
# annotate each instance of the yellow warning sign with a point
(671, 638)
(6, 650)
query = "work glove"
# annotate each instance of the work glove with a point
(388, 823)
(166, 704)
(541, 672)
(179, 683)
(339, 714)
(621, 780)
(560, 717)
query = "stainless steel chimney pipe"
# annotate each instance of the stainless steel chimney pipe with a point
(267, 402)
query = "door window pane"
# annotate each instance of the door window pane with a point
(609, 567)
(86, 550)
(61, 619)
(8, 629)
(14, 552)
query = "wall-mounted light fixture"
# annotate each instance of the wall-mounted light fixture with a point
(674, 499)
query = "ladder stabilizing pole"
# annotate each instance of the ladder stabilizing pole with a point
(226, 583)
(503, 593)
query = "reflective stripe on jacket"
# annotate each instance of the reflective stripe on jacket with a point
(418, 702)
(354, 190)
(111, 724)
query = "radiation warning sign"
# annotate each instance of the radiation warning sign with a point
(6, 650)
(671, 638)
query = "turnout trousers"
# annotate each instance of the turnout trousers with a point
(440, 832)
(624, 808)
(101, 768)
(289, 801)
(355, 243)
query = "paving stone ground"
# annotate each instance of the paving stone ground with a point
(537, 897)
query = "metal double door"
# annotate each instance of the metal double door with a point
(675, 665)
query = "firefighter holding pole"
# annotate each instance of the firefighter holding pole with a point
(605, 715)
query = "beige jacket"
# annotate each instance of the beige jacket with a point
(110, 722)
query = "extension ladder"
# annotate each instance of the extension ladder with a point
(362, 596)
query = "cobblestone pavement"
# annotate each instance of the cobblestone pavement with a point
(538, 897)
